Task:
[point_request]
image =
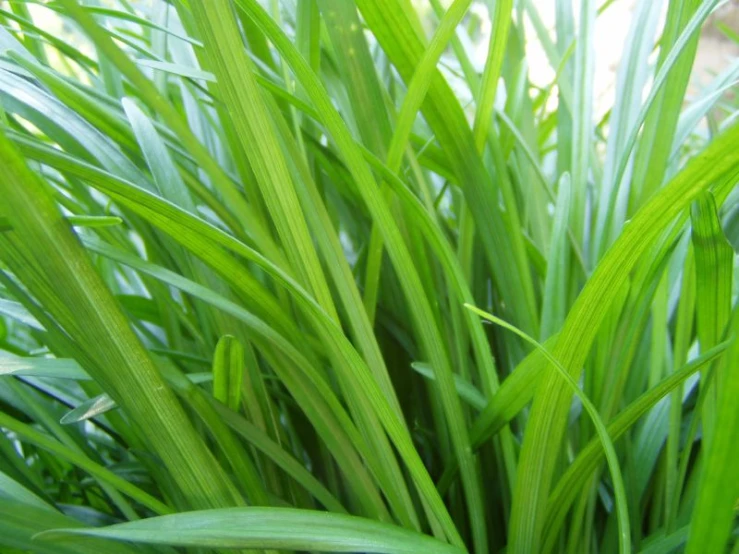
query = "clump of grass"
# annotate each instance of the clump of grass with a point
(247, 252)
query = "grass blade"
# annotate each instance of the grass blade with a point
(280, 528)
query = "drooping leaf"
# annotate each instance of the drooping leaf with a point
(280, 528)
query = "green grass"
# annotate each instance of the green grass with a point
(268, 281)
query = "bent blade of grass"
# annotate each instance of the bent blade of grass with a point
(715, 507)
(512, 396)
(545, 427)
(714, 268)
(610, 451)
(587, 460)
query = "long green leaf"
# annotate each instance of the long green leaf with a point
(280, 528)
(714, 513)
(714, 268)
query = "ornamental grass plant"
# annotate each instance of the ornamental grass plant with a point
(306, 276)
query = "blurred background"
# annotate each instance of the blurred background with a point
(718, 47)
